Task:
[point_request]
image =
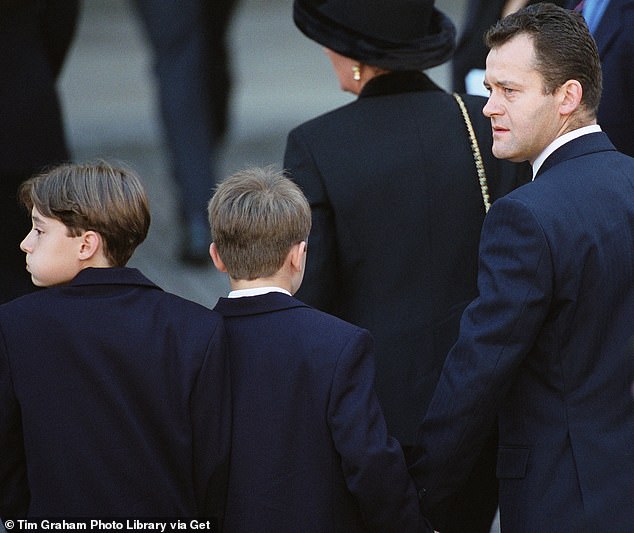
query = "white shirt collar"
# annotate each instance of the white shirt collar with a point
(560, 141)
(256, 291)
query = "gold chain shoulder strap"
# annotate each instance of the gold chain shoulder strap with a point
(477, 157)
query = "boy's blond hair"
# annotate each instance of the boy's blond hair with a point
(256, 216)
(95, 196)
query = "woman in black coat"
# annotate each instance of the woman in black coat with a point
(397, 205)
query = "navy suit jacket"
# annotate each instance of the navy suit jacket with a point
(310, 449)
(114, 401)
(544, 346)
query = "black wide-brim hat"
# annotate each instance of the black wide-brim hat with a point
(390, 34)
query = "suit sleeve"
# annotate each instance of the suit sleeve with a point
(497, 331)
(372, 461)
(319, 285)
(14, 491)
(211, 421)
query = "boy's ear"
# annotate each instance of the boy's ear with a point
(215, 257)
(91, 243)
(297, 254)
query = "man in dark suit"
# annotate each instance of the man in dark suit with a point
(611, 23)
(544, 346)
(397, 206)
(310, 449)
(114, 395)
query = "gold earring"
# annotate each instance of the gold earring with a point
(356, 72)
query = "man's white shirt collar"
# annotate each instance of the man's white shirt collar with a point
(256, 291)
(560, 141)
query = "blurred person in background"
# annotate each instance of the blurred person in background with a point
(611, 23)
(188, 40)
(467, 66)
(35, 36)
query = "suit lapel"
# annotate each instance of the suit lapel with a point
(111, 276)
(586, 144)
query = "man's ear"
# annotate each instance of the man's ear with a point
(215, 257)
(571, 94)
(91, 244)
(297, 254)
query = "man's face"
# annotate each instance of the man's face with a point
(524, 119)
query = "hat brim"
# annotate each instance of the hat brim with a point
(430, 50)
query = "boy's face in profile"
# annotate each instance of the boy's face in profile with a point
(52, 256)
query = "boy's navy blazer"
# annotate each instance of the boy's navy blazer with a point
(114, 401)
(310, 449)
(545, 345)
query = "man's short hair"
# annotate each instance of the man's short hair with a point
(256, 216)
(97, 197)
(564, 48)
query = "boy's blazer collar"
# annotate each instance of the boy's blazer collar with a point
(111, 276)
(255, 305)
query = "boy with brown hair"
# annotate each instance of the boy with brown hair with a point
(114, 398)
(310, 449)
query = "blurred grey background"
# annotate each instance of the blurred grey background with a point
(108, 94)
